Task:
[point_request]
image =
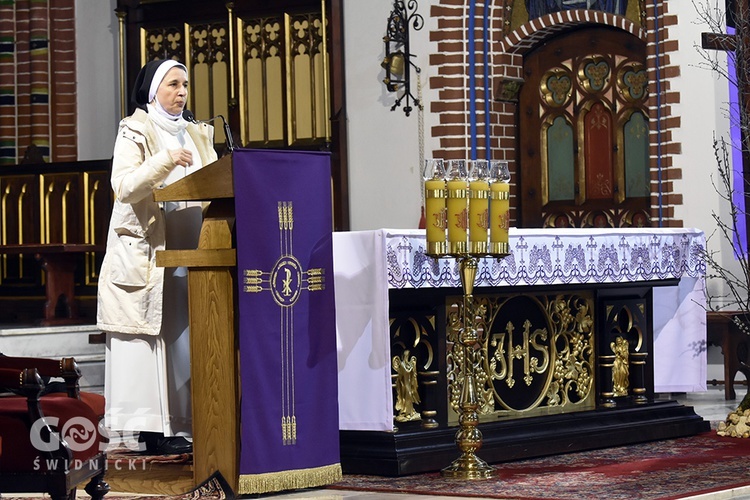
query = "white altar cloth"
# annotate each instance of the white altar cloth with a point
(368, 263)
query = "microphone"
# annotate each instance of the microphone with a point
(190, 117)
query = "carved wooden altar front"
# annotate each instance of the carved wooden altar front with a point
(542, 353)
(566, 356)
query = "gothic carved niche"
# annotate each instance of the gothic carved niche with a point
(624, 353)
(414, 371)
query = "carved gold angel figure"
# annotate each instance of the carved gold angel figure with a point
(620, 370)
(407, 394)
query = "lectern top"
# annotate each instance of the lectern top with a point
(211, 182)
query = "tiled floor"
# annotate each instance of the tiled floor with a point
(711, 404)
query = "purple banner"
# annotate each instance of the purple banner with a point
(287, 329)
(737, 147)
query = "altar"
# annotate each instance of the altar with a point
(555, 309)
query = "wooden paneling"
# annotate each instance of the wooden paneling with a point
(51, 203)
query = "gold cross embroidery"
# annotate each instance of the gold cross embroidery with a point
(285, 282)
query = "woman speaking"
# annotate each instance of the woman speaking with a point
(142, 307)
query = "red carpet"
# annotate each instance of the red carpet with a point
(661, 470)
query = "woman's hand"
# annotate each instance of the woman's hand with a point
(181, 157)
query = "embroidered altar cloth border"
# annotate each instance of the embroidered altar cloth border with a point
(555, 256)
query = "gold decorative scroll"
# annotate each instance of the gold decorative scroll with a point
(539, 361)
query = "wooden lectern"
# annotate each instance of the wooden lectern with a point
(212, 274)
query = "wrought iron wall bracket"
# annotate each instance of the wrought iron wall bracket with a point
(398, 59)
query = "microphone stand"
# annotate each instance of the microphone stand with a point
(189, 116)
(228, 134)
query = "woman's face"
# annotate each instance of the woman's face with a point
(173, 90)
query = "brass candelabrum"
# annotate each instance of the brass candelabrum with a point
(466, 218)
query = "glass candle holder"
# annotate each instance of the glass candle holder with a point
(479, 187)
(457, 206)
(435, 205)
(499, 179)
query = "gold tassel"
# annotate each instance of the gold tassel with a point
(289, 479)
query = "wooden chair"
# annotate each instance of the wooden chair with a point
(51, 442)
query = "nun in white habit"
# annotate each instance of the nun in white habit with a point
(142, 307)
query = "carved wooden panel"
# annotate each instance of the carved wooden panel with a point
(597, 132)
(19, 211)
(584, 132)
(61, 220)
(67, 202)
(283, 80)
(540, 353)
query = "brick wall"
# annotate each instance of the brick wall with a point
(452, 71)
(37, 81)
(63, 80)
(662, 97)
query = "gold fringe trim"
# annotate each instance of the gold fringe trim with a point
(289, 479)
